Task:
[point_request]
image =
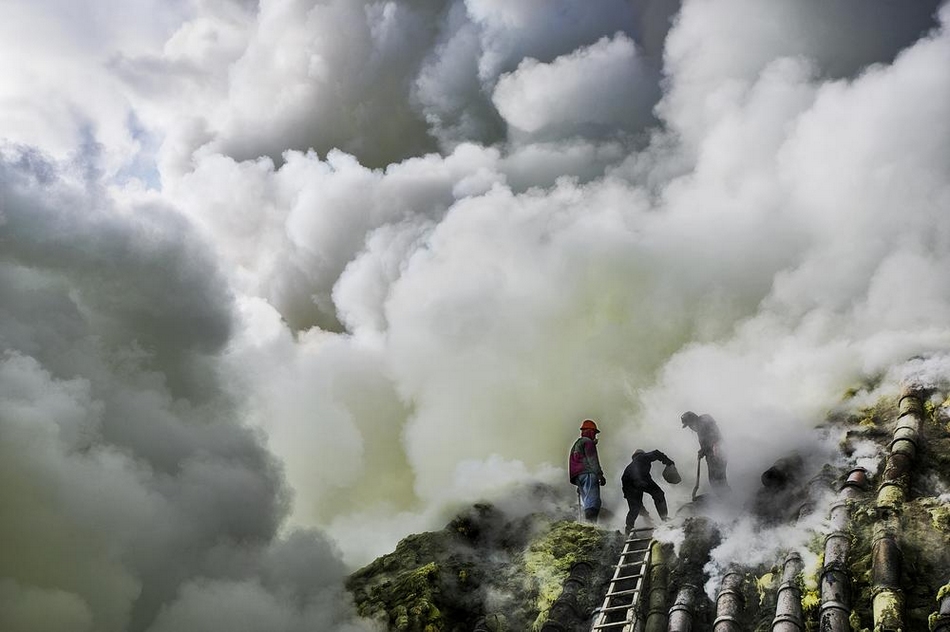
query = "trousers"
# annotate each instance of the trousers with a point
(635, 502)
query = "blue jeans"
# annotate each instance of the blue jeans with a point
(588, 486)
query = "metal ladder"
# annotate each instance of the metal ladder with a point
(619, 610)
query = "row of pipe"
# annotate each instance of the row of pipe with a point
(834, 581)
(689, 607)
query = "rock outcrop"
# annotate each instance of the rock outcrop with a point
(486, 572)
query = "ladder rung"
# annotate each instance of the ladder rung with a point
(604, 626)
(620, 579)
(620, 593)
(616, 608)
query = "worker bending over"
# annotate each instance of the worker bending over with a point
(636, 480)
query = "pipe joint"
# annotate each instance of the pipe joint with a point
(910, 403)
(787, 618)
(906, 446)
(890, 496)
(837, 535)
(840, 504)
(835, 605)
(857, 478)
(832, 569)
(895, 591)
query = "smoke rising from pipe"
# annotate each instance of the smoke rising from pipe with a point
(284, 281)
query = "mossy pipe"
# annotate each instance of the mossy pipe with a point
(888, 599)
(567, 611)
(910, 421)
(681, 613)
(729, 603)
(905, 439)
(856, 482)
(886, 562)
(905, 443)
(887, 608)
(659, 587)
(910, 402)
(903, 452)
(788, 605)
(835, 581)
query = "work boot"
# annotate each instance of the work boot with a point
(590, 515)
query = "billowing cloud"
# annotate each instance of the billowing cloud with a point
(282, 282)
(602, 88)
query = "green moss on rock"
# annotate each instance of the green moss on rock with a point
(549, 559)
(483, 567)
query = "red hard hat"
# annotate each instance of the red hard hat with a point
(588, 424)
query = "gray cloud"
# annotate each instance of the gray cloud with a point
(130, 490)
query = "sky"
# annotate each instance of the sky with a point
(282, 282)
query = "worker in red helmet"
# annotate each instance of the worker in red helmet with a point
(585, 471)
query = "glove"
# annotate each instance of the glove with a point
(602, 481)
(701, 453)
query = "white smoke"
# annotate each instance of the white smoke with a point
(342, 266)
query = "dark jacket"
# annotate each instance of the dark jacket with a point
(708, 433)
(637, 473)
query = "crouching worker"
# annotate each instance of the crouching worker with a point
(585, 471)
(636, 480)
